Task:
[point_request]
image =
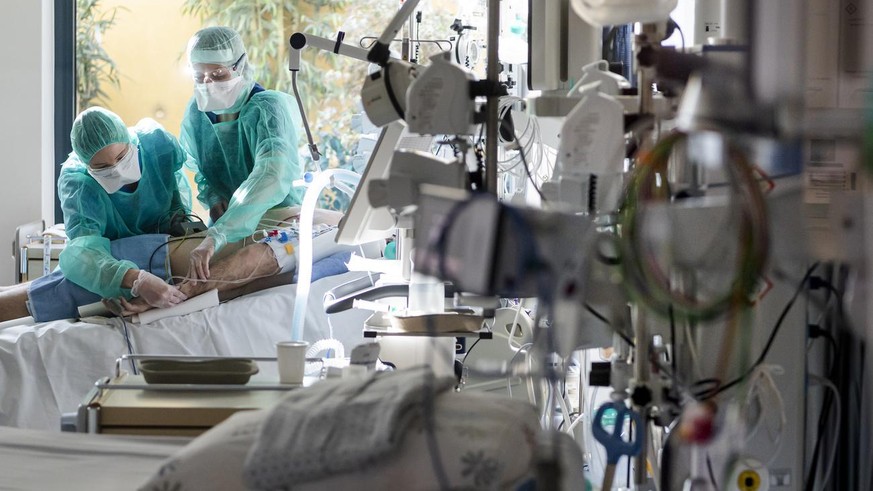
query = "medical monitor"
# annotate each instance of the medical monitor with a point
(363, 223)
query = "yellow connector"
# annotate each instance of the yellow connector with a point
(289, 249)
(749, 480)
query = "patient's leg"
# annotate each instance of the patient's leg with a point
(240, 268)
(246, 265)
(13, 302)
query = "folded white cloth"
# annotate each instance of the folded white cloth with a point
(338, 426)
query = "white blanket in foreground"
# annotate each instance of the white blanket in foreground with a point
(47, 369)
(48, 460)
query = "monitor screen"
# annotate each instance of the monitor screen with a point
(363, 223)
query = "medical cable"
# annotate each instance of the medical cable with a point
(129, 344)
(528, 171)
(763, 376)
(723, 387)
(650, 281)
(464, 359)
(832, 373)
(603, 319)
(514, 327)
(710, 472)
(572, 426)
(647, 282)
(565, 410)
(523, 350)
(532, 127)
(169, 241)
(838, 412)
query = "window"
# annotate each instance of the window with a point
(131, 57)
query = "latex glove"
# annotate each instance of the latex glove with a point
(217, 210)
(155, 292)
(199, 262)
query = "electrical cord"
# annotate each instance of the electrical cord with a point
(603, 319)
(527, 168)
(646, 280)
(763, 376)
(836, 398)
(522, 350)
(711, 473)
(464, 360)
(815, 331)
(775, 331)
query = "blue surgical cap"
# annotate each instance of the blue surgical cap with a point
(94, 129)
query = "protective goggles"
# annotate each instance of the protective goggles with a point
(220, 74)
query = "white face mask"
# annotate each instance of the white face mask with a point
(126, 171)
(216, 96)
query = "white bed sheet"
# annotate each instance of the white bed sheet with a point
(47, 369)
(41, 460)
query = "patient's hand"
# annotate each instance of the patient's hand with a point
(134, 306)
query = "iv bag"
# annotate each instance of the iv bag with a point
(615, 12)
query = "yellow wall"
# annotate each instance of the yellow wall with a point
(148, 45)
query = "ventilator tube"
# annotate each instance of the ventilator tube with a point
(304, 261)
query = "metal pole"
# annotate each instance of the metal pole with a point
(492, 116)
(641, 374)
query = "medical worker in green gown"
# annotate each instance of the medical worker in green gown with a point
(119, 183)
(242, 140)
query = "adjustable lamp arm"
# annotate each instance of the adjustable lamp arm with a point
(299, 41)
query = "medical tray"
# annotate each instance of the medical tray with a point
(126, 403)
(217, 371)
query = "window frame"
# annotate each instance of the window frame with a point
(65, 87)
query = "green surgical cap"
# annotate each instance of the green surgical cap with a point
(215, 45)
(95, 128)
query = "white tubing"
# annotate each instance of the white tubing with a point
(304, 258)
(339, 351)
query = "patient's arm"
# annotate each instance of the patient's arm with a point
(239, 269)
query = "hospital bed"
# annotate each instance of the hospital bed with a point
(46, 369)
(483, 442)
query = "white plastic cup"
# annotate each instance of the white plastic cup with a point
(291, 358)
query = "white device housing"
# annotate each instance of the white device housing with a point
(592, 139)
(384, 92)
(610, 83)
(409, 170)
(439, 102)
(364, 223)
(615, 12)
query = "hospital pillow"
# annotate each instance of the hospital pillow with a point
(485, 441)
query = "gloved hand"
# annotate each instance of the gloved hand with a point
(199, 261)
(217, 210)
(155, 292)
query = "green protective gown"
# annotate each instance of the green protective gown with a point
(250, 162)
(94, 217)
